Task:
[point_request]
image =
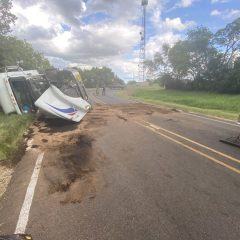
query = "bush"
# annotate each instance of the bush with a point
(224, 81)
(169, 82)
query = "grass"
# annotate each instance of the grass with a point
(219, 105)
(12, 129)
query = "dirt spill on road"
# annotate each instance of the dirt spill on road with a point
(73, 163)
(73, 171)
(138, 111)
(142, 109)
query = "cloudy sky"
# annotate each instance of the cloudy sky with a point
(106, 32)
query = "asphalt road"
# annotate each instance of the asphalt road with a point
(145, 173)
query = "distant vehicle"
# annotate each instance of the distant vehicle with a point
(28, 91)
(117, 87)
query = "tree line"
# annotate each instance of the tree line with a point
(99, 77)
(14, 51)
(203, 61)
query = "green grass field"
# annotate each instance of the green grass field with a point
(219, 105)
(12, 129)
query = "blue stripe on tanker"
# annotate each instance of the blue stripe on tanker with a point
(64, 110)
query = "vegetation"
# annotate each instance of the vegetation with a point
(203, 61)
(14, 51)
(99, 77)
(220, 105)
(12, 129)
(132, 82)
(6, 17)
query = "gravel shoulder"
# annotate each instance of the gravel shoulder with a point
(5, 177)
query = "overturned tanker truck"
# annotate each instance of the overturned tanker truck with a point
(59, 94)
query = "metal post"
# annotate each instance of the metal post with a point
(142, 53)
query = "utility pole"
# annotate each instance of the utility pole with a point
(142, 52)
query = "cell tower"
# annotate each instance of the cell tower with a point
(142, 53)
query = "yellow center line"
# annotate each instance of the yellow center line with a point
(189, 140)
(192, 149)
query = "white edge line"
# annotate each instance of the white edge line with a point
(211, 119)
(25, 210)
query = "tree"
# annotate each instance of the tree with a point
(203, 61)
(187, 58)
(132, 82)
(200, 51)
(6, 17)
(186, 61)
(160, 64)
(99, 77)
(228, 41)
(13, 50)
(179, 59)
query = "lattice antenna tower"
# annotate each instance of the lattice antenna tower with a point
(142, 53)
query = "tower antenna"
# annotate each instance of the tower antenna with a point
(142, 53)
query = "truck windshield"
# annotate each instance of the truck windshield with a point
(38, 85)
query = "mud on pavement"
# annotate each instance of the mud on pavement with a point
(73, 161)
(71, 166)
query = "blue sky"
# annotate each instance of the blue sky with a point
(200, 12)
(102, 32)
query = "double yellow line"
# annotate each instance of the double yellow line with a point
(157, 129)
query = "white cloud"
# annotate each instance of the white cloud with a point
(177, 24)
(156, 16)
(219, 1)
(155, 43)
(32, 15)
(227, 14)
(69, 11)
(100, 39)
(185, 3)
(232, 13)
(62, 41)
(126, 67)
(215, 12)
(124, 10)
(58, 62)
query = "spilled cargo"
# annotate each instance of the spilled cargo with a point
(59, 94)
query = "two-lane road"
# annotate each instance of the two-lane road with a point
(155, 174)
